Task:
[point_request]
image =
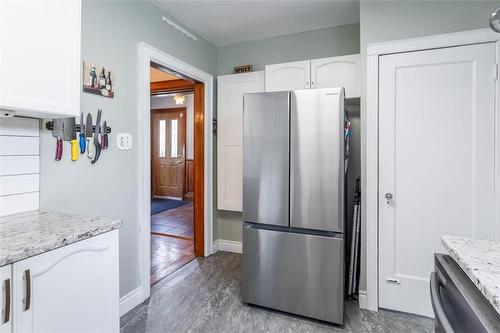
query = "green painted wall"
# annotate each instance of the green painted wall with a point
(111, 32)
(307, 45)
(391, 20)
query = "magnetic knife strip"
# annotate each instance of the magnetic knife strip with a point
(50, 125)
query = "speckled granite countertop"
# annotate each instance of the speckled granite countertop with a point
(25, 235)
(480, 260)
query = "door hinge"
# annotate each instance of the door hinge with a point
(495, 72)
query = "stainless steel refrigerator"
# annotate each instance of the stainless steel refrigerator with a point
(293, 202)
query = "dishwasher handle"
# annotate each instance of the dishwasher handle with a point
(437, 304)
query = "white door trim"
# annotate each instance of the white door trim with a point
(370, 160)
(147, 54)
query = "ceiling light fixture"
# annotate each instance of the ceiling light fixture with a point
(495, 20)
(179, 28)
(179, 99)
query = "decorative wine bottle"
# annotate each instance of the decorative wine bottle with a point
(102, 79)
(108, 82)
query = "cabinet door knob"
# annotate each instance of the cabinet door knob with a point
(307, 84)
(312, 84)
(6, 311)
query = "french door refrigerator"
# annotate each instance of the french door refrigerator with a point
(293, 202)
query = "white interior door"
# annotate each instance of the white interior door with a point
(437, 148)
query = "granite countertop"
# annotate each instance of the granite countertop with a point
(27, 234)
(480, 260)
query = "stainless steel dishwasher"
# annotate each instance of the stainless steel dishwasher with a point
(458, 305)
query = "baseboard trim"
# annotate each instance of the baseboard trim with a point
(362, 299)
(227, 246)
(130, 301)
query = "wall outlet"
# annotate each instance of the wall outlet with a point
(124, 141)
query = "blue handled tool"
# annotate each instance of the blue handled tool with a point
(83, 142)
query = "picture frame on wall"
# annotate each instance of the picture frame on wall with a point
(98, 79)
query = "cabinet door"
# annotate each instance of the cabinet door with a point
(288, 76)
(6, 299)
(70, 289)
(229, 132)
(333, 72)
(40, 57)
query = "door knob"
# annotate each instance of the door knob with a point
(388, 197)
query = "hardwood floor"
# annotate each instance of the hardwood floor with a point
(175, 222)
(172, 243)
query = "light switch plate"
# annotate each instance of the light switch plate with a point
(124, 141)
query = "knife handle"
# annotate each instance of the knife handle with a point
(105, 141)
(90, 148)
(59, 149)
(97, 152)
(74, 149)
(82, 143)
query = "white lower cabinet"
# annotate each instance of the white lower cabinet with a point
(6, 300)
(74, 288)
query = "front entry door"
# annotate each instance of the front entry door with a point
(436, 163)
(168, 134)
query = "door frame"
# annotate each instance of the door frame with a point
(370, 131)
(166, 110)
(146, 55)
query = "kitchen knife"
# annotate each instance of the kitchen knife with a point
(104, 137)
(57, 131)
(88, 135)
(69, 130)
(97, 144)
(82, 134)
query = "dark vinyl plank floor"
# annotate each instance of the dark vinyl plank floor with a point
(204, 296)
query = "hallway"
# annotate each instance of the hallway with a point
(172, 243)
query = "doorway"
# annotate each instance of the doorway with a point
(172, 172)
(203, 151)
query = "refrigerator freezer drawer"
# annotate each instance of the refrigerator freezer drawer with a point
(293, 272)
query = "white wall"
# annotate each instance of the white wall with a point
(19, 165)
(167, 102)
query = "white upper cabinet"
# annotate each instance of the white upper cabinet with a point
(230, 135)
(40, 63)
(288, 76)
(342, 71)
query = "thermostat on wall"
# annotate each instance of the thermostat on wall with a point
(124, 141)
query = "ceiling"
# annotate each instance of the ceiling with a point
(229, 22)
(157, 75)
